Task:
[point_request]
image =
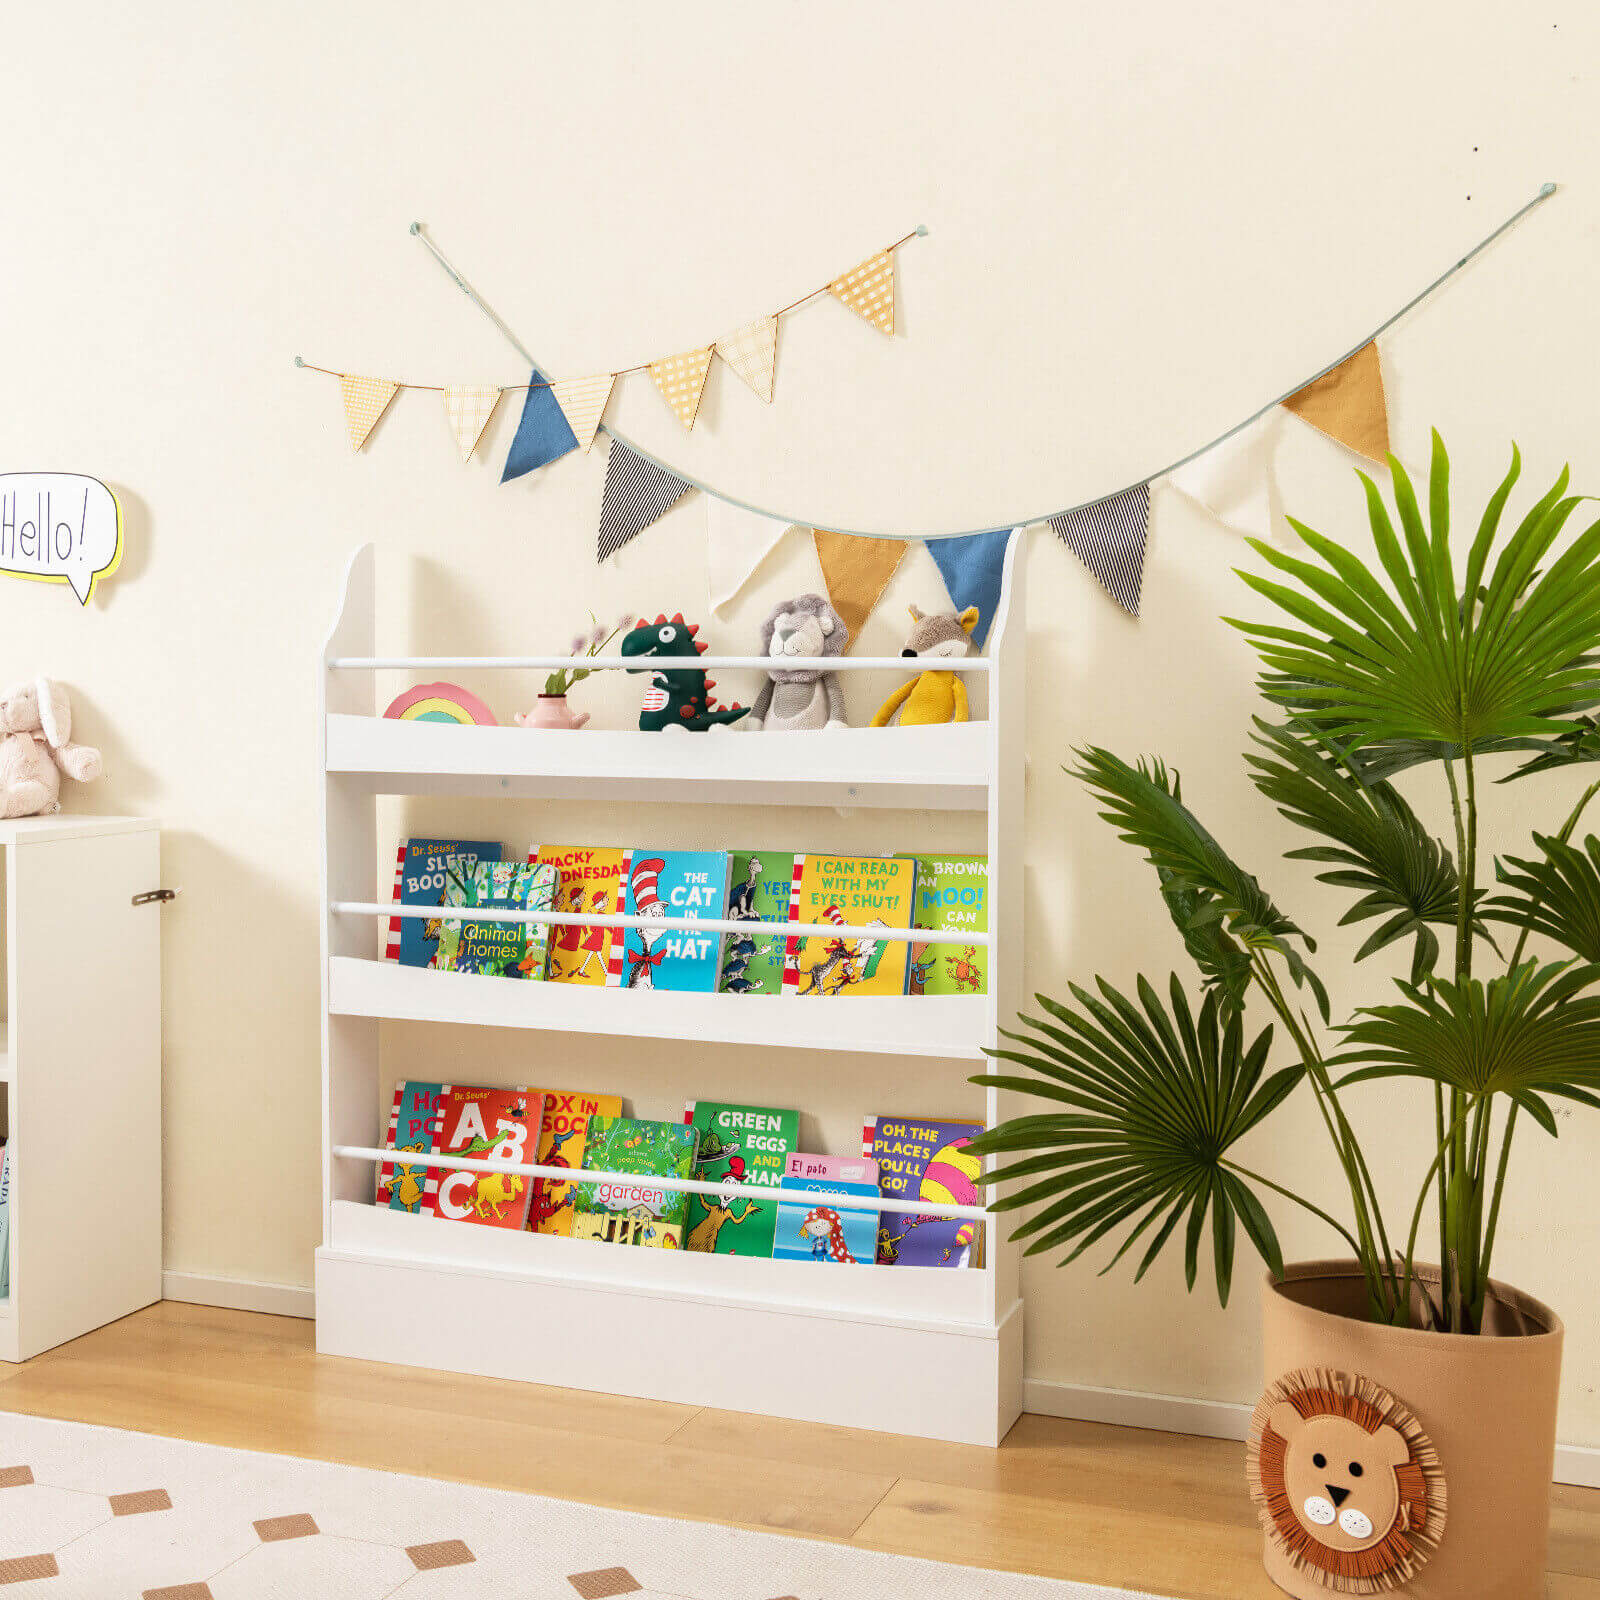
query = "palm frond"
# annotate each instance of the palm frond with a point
(1558, 895)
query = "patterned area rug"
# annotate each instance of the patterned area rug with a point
(98, 1514)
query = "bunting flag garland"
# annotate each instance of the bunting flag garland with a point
(1347, 404)
(468, 407)
(868, 289)
(1233, 480)
(637, 493)
(752, 352)
(543, 433)
(737, 542)
(1108, 538)
(973, 567)
(856, 570)
(365, 400)
(682, 380)
(583, 402)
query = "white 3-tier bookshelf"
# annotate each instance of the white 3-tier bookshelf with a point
(925, 1351)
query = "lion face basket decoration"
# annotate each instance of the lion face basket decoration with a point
(1345, 1482)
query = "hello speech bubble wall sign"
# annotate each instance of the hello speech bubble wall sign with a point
(59, 527)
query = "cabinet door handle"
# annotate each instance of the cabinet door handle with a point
(155, 897)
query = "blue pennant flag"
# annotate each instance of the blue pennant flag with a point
(972, 567)
(543, 434)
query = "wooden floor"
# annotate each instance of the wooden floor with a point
(1154, 1511)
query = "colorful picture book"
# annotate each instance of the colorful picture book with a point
(422, 873)
(631, 1210)
(498, 949)
(591, 881)
(925, 1159)
(849, 891)
(5, 1220)
(814, 1230)
(952, 896)
(413, 1122)
(487, 1125)
(759, 886)
(672, 883)
(563, 1139)
(741, 1148)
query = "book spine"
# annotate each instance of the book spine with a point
(791, 948)
(430, 1184)
(619, 936)
(391, 948)
(386, 1171)
(869, 1132)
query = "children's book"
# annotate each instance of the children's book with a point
(921, 1159)
(672, 883)
(816, 1231)
(592, 882)
(413, 1121)
(422, 873)
(499, 949)
(857, 892)
(563, 1136)
(741, 1148)
(5, 1220)
(952, 896)
(488, 1125)
(759, 885)
(630, 1209)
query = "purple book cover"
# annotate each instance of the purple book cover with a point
(920, 1159)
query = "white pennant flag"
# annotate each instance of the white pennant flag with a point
(737, 542)
(752, 352)
(468, 407)
(1232, 480)
(583, 403)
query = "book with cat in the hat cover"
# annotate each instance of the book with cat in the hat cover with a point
(690, 884)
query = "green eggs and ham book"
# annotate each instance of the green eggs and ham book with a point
(422, 872)
(759, 886)
(741, 1148)
(499, 949)
(629, 1209)
(952, 896)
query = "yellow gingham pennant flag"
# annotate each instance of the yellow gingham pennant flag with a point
(868, 290)
(682, 380)
(365, 400)
(468, 407)
(583, 402)
(752, 352)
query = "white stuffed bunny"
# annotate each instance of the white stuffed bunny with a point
(36, 748)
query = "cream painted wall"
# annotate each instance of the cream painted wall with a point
(1145, 221)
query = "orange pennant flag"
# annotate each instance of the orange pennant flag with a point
(1347, 404)
(365, 400)
(682, 380)
(856, 572)
(583, 402)
(868, 290)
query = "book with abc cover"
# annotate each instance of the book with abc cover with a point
(814, 1230)
(689, 884)
(741, 1148)
(952, 896)
(563, 1138)
(422, 873)
(487, 1125)
(923, 1159)
(413, 1117)
(592, 882)
(498, 949)
(629, 1209)
(854, 892)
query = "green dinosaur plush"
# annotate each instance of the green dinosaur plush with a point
(678, 697)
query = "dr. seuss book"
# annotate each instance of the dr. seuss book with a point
(741, 1148)
(487, 1125)
(413, 1120)
(813, 1230)
(759, 885)
(925, 1160)
(952, 896)
(563, 1136)
(630, 1209)
(498, 949)
(672, 883)
(421, 875)
(592, 882)
(854, 892)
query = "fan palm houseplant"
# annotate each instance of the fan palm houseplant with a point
(1378, 676)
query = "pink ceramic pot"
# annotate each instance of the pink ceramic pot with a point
(551, 711)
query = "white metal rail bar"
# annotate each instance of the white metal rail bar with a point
(589, 919)
(660, 663)
(839, 1202)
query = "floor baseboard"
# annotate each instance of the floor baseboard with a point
(1214, 1419)
(239, 1294)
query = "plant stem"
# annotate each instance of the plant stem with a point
(1299, 1200)
(1499, 1187)
(1416, 1215)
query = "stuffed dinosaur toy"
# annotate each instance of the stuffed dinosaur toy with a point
(800, 698)
(36, 748)
(678, 697)
(932, 696)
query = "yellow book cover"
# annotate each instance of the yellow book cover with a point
(850, 892)
(591, 881)
(563, 1137)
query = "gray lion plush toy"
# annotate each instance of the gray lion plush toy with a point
(805, 697)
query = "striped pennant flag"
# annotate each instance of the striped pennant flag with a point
(637, 493)
(1108, 538)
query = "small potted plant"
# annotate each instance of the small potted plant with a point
(1405, 1437)
(552, 710)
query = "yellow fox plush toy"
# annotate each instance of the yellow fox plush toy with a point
(932, 696)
